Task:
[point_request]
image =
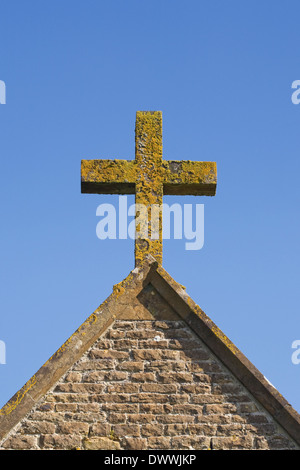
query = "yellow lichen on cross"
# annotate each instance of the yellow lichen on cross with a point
(149, 178)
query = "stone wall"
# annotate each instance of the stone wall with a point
(148, 385)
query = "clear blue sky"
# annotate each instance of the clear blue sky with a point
(221, 72)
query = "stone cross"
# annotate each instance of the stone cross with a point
(149, 177)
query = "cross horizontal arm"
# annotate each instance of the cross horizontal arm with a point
(187, 177)
(108, 176)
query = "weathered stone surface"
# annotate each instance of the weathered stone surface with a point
(162, 409)
(100, 443)
(149, 177)
(21, 442)
(137, 395)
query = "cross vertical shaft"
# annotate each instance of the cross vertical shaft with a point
(149, 183)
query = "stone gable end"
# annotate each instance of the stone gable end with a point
(148, 384)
